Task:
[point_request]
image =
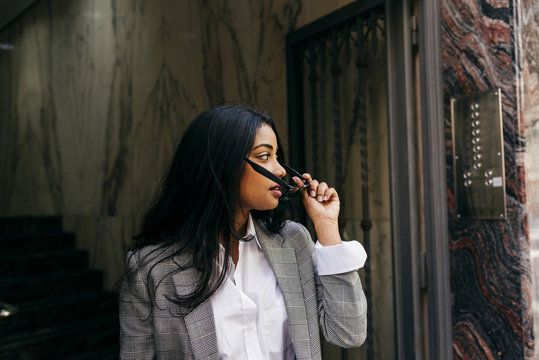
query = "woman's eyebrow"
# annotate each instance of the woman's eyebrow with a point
(263, 145)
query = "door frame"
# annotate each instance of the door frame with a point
(403, 182)
(408, 264)
(435, 181)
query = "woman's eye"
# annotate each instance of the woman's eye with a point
(264, 156)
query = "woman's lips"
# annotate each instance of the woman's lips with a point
(276, 191)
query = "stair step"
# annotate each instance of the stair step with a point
(26, 288)
(57, 305)
(61, 341)
(58, 311)
(18, 264)
(45, 241)
(30, 224)
(110, 353)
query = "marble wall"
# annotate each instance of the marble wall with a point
(490, 265)
(95, 95)
(528, 42)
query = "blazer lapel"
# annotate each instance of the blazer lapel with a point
(199, 322)
(284, 263)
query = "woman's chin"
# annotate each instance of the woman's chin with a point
(268, 207)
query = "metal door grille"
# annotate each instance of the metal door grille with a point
(330, 57)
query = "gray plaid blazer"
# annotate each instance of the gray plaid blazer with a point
(334, 304)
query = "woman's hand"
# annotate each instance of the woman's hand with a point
(322, 205)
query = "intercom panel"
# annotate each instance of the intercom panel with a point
(478, 158)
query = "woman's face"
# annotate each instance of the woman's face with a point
(257, 192)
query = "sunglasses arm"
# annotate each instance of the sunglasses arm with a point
(268, 174)
(295, 173)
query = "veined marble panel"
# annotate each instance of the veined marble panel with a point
(95, 96)
(490, 270)
(106, 239)
(102, 91)
(529, 87)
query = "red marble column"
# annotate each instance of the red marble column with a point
(490, 269)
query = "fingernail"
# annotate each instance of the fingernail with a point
(313, 193)
(320, 198)
(325, 198)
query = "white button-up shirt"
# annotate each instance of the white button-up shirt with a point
(249, 311)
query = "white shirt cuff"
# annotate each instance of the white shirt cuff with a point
(337, 259)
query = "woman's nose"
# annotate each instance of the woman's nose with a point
(280, 171)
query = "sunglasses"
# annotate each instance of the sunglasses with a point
(287, 190)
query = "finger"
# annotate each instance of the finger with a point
(298, 181)
(332, 195)
(306, 178)
(321, 192)
(313, 188)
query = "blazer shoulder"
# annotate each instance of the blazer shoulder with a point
(297, 236)
(154, 257)
(292, 228)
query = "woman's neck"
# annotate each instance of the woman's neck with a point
(240, 223)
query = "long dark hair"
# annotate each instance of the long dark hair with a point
(198, 198)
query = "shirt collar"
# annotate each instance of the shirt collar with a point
(251, 232)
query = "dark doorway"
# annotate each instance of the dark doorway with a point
(340, 72)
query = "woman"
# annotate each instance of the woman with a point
(218, 273)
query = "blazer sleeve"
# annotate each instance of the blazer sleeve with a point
(136, 325)
(342, 306)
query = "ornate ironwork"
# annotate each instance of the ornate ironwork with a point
(359, 36)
